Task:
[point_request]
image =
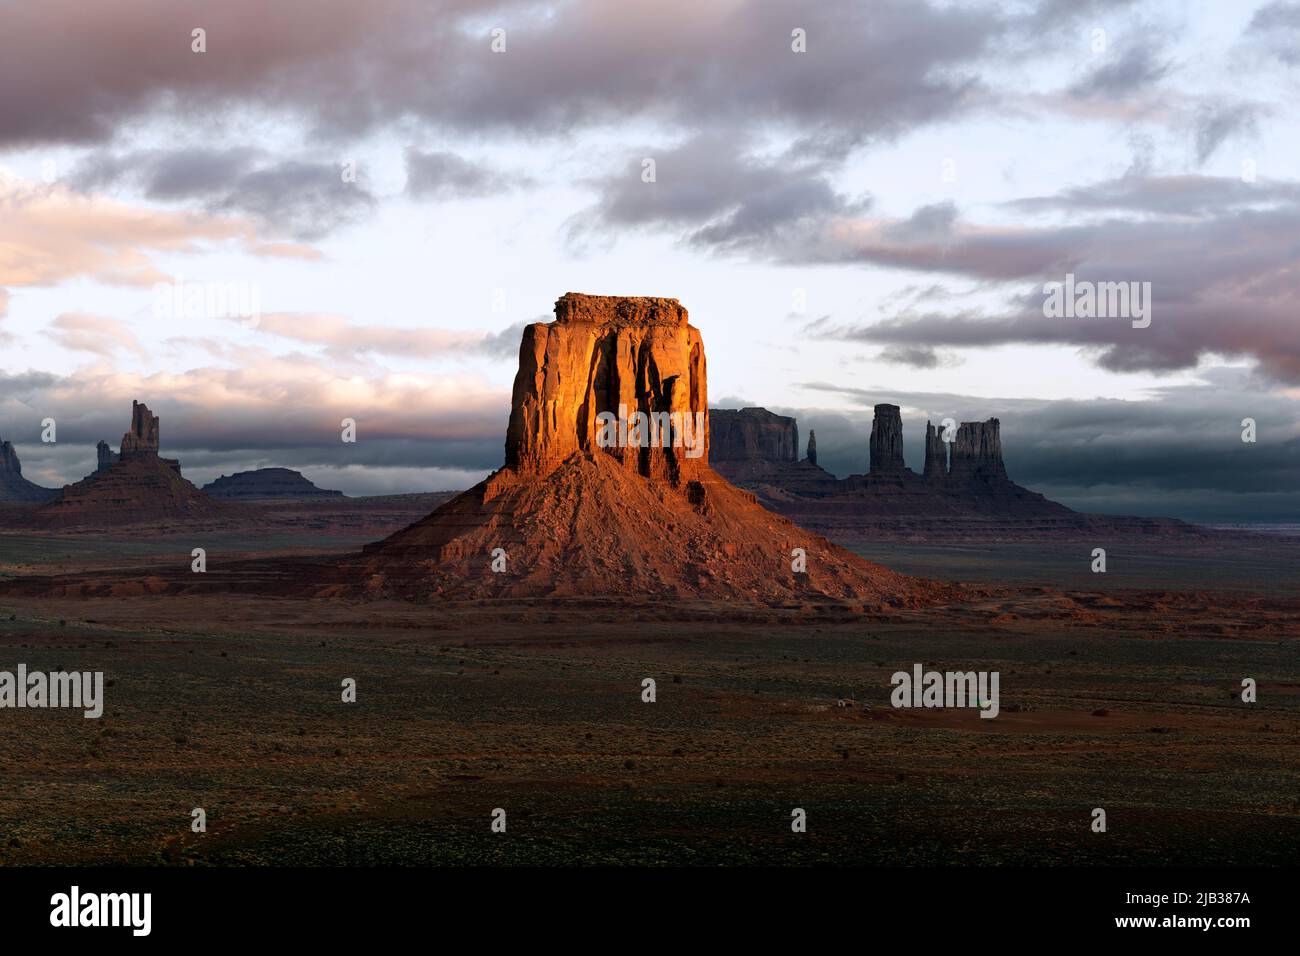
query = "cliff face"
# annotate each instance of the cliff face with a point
(13, 486)
(142, 440)
(752, 434)
(977, 453)
(623, 376)
(138, 444)
(105, 457)
(964, 488)
(572, 515)
(887, 441)
(936, 454)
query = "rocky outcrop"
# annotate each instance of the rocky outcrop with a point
(887, 441)
(752, 434)
(621, 376)
(142, 440)
(812, 446)
(266, 484)
(977, 453)
(572, 516)
(105, 457)
(971, 497)
(13, 486)
(936, 454)
(134, 487)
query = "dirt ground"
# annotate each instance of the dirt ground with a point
(1123, 698)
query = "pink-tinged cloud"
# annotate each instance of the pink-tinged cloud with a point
(50, 234)
(277, 401)
(99, 334)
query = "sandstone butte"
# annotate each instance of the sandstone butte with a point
(574, 518)
(133, 485)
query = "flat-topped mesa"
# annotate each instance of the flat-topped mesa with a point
(936, 454)
(812, 446)
(586, 379)
(887, 441)
(977, 452)
(752, 434)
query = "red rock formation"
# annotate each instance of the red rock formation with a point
(134, 487)
(575, 519)
(265, 484)
(975, 501)
(13, 486)
(812, 446)
(142, 440)
(887, 441)
(615, 357)
(105, 457)
(977, 453)
(751, 434)
(936, 454)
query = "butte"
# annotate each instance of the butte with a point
(567, 517)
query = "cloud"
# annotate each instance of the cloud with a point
(1275, 29)
(449, 176)
(50, 234)
(295, 197)
(1237, 302)
(1187, 195)
(345, 68)
(276, 410)
(344, 340)
(1136, 70)
(99, 334)
(716, 195)
(1216, 122)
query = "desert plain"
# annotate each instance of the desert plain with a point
(1119, 691)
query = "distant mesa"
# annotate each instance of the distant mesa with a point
(13, 486)
(576, 514)
(963, 490)
(266, 484)
(133, 485)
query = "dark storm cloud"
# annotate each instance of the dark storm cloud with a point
(1178, 454)
(72, 72)
(303, 198)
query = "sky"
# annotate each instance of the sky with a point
(314, 210)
